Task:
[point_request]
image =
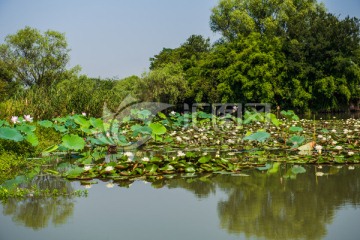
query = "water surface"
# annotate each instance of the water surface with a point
(253, 205)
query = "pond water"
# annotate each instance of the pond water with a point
(253, 205)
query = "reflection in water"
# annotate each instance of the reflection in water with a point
(273, 207)
(256, 205)
(36, 213)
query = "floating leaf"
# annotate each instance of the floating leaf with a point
(157, 128)
(204, 159)
(190, 170)
(167, 167)
(258, 136)
(45, 123)
(25, 128)
(73, 142)
(138, 129)
(296, 129)
(10, 134)
(61, 129)
(151, 168)
(296, 140)
(75, 172)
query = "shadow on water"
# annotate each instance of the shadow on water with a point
(260, 204)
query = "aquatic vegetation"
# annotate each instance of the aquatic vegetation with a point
(145, 145)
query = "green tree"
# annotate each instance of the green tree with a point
(7, 86)
(166, 84)
(187, 54)
(244, 70)
(318, 54)
(268, 17)
(34, 58)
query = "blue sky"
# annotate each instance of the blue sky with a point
(116, 38)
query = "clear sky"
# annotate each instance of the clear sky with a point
(116, 38)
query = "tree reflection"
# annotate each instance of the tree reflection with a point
(273, 207)
(38, 212)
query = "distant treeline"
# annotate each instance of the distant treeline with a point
(293, 54)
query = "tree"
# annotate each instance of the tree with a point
(192, 50)
(321, 65)
(34, 58)
(268, 17)
(7, 86)
(248, 69)
(166, 84)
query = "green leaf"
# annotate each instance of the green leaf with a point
(151, 168)
(273, 119)
(161, 115)
(157, 128)
(82, 121)
(25, 128)
(204, 159)
(296, 140)
(10, 134)
(258, 136)
(190, 169)
(61, 129)
(45, 123)
(74, 173)
(97, 123)
(32, 139)
(167, 167)
(324, 130)
(138, 129)
(296, 129)
(73, 142)
(50, 149)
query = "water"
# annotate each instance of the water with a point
(257, 206)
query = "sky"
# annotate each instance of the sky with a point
(115, 38)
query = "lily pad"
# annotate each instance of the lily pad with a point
(258, 136)
(73, 142)
(157, 128)
(10, 134)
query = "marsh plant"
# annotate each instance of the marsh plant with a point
(137, 142)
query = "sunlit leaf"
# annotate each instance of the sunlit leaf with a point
(258, 136)
(157, 128)
(73, 142)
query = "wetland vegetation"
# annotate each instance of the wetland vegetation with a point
(200, 119)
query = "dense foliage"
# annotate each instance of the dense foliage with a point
(292, 54)
(289, 53)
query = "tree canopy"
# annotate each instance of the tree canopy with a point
(292, 53)
(33, 58)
